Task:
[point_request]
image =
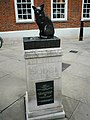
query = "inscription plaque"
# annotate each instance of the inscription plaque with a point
(45, 92)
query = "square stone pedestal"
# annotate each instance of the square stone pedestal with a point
(44, 84)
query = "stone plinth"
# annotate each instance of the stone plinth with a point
(44, 84)
(38, 43)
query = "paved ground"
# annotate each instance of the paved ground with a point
(75, 80)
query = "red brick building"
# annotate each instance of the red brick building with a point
(17, 15)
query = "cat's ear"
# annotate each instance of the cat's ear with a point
(34, 8)
(42, 6)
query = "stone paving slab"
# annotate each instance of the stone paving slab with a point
(76, 87)
(11, 88)
(69, 57)
(82, 112)
(13, 52)
(3, 58)
(80, 70)
(85, 54)
(1, 116)
(69, 105)
(83, 60)
(11, 65)
(2, 74)
(20, 73)
(15, 111)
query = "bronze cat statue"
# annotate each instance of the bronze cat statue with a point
(44, 23)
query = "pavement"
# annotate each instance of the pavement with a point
(75, 80)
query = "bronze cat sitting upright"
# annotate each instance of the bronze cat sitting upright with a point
(44, 23)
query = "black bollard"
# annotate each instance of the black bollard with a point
(81, 32)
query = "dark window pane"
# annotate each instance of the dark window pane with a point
(87, 15)
(54, 15)
(23, 0)
(24, 16)
(23, 5)
(54, 10)
(18, 0)
(19, 11)
(29, 11)
(85, 1)
(88, 1)
(84, 10)
(20, 16)
(29, 16)
(62, 10)
(62, 15)
(88, 6)
(58, 15)
(87, 10)
(54, 0)
(28, 5)
(62, 6)
(58, 5)
(24, 11)
(18, 6)
(83, 15)
(28, 0)
(54, 5)
(84, 5)
(58, 11)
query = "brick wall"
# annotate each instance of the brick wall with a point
(8, 21)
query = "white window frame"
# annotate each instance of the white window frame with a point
(24, 20)
(66, 10)
(84, 18)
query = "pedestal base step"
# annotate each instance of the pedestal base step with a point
(51, 116)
